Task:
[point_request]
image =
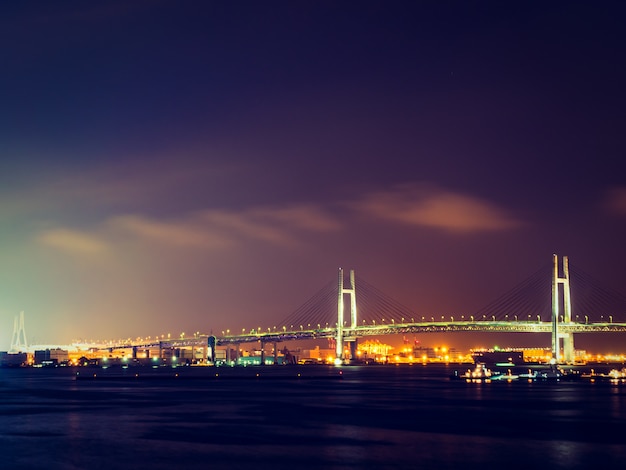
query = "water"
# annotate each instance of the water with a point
(375, 416)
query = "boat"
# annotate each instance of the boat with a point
(481, 373)
(530, 375)
(615, 376)
(509, 376)
(548, 374)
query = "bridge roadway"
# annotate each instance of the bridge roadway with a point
(374, 330)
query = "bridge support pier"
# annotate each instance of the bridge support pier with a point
(211, 343)
(353, 349)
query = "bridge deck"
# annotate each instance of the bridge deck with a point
(385, 329)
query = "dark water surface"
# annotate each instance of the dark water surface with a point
(367, 417)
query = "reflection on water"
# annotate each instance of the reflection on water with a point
(390, 417)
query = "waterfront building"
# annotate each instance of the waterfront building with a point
(20, 359)
(51, 356)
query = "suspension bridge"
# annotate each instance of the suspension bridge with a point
(540, 304)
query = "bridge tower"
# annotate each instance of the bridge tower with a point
(557, 336)
(18, 340)
(341, 324)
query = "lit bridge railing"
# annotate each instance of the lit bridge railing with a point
(374, 330)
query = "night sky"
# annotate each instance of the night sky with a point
(189, 166)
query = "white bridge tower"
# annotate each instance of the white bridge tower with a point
(341, 323)
(18, 340)
(557, 336)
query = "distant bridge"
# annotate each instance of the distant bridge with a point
(534, 306)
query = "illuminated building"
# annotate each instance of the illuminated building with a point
(374, 350)
(51, 356)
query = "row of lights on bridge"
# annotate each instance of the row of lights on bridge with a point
(393, 322)
(402, 322)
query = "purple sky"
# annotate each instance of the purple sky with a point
(196, 166)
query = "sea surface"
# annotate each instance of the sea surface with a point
(304, 417)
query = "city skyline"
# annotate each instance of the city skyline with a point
(208, 166)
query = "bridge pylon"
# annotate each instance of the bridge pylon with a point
(18, 340)
(341, 337)
(557, 336)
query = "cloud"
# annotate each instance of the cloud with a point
(307, 217)
(131, 187)
(73, 242)
(436, 208)
(615, 201)
(220, 229)
(246, 225)
(283, 226)
(209, 229)
(291, 225)
(179, 233)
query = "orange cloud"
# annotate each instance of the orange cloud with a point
(72, 241)
(433, 207)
